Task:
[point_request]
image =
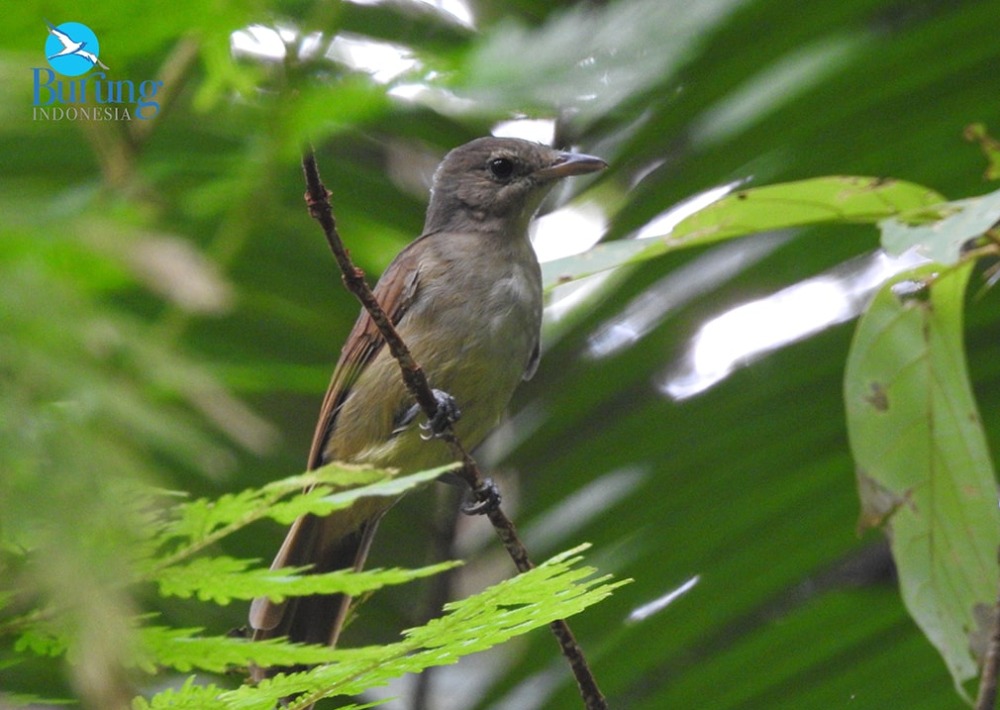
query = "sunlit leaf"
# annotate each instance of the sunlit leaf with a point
(222, 579)
(193, 526)
(923, 467)
(187, 649)
(192, 696)
(825, 200)
(556, 589)
(589, 58)
(189, 696)
(601, 257)
(942, 240)
(339, 499)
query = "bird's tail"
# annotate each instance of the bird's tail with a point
(314, 619)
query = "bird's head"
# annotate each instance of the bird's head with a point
(497, 184)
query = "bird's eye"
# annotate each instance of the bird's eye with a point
(501, 168)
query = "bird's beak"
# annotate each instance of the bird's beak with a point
(568, 164)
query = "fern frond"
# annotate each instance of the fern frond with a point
(222, 579)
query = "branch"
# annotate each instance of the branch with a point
(318, 201)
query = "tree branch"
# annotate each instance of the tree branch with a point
(318, 201)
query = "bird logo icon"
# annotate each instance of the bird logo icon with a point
(72, 48)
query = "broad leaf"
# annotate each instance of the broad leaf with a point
(825, 200)
(601, 257)
(924, 471)
(942, 239)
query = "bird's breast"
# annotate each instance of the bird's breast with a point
(472, 327)
(487, 307)
(491, 304)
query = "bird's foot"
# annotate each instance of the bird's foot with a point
(446, 414)
(482, 500)
(240, 632)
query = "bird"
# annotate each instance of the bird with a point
(466, 298)
(71, 46)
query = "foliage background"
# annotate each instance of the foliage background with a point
(168, 312)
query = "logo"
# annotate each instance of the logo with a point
(72, 48)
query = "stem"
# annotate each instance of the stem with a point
(987, 698)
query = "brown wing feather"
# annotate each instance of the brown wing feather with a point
(395, 292)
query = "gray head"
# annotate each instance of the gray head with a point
(497, 184)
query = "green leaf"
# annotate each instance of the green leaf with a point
(323, 110)
(27, 700)
(390, 488)
(185, 650)
(601, 257)
(190, 696)
(604, 54)
(207, 519)
(942, 240)
(195, 525)
(990, 146)
(210, 697)
(42, 641)
(824, 200)
(554, 590)
(923, 468)
(551, 591)
(222, 579)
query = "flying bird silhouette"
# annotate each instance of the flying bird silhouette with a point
(70, 46)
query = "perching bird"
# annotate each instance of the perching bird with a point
(71, 46)
(466, 297)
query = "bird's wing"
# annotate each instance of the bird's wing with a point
(92, 58)
(395, 292)
(533, 359)
(64, 38)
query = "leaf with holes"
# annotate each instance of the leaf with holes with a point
(944, 238)
(924, 470)
(835, 199)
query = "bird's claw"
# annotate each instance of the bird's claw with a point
(446, 414)
(483, 500)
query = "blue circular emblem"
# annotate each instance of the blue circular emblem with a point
(72, 48)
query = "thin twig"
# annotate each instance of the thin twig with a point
(987, 698)
(318, 201)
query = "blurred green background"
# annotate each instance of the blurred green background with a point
(169, 313)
